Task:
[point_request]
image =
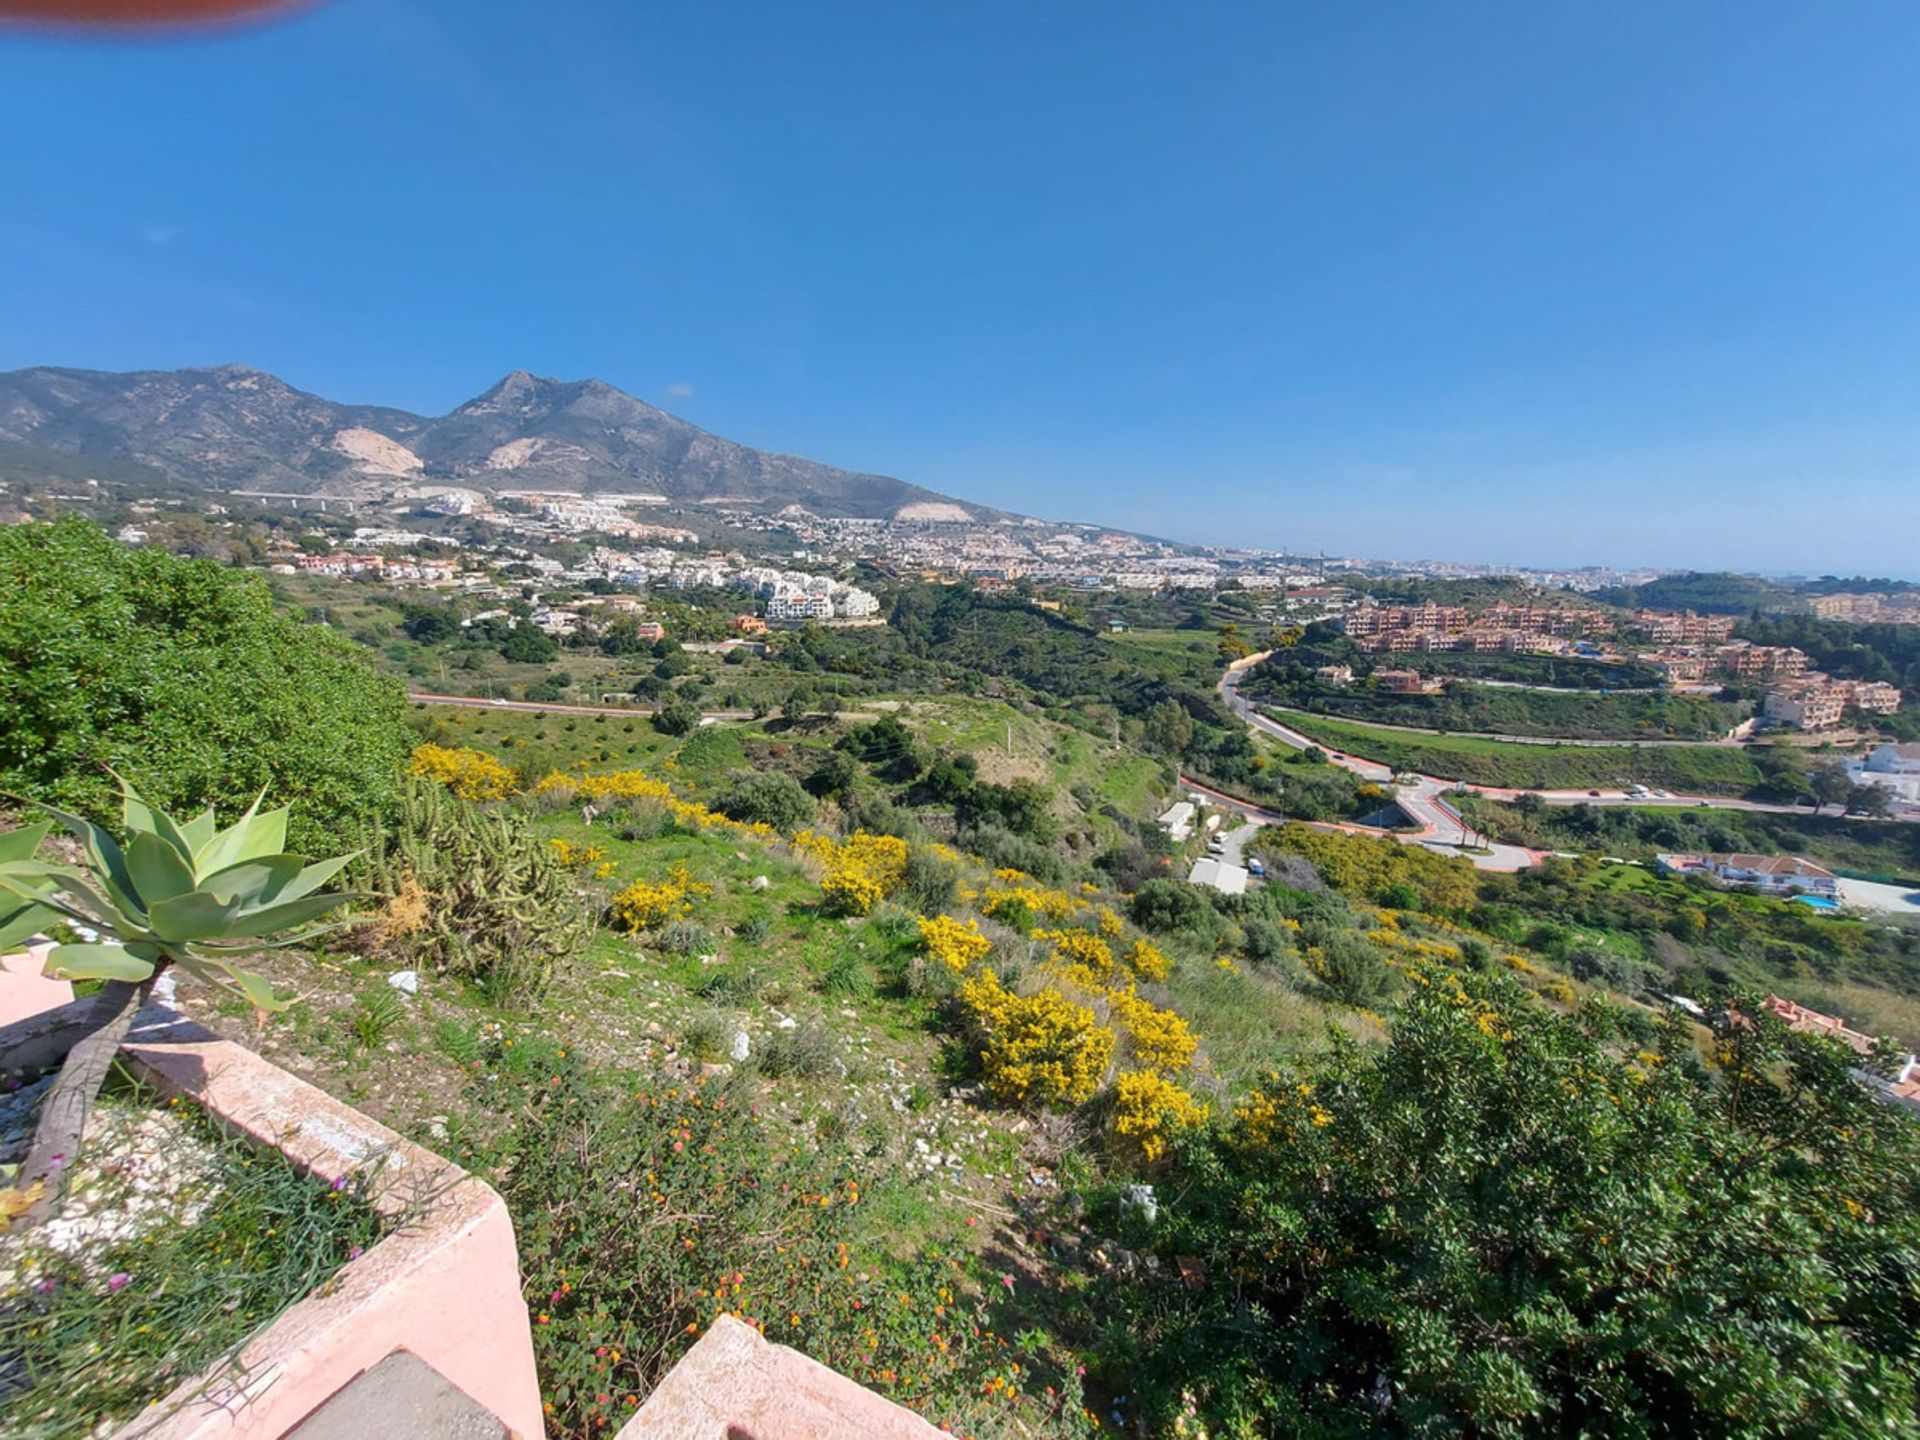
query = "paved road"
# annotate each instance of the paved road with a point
(1233, 843)
(555, 707)
(1373, 770)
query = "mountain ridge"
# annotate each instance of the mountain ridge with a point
(235, 427)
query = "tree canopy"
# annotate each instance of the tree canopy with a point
(1505, 1223)
(180, 675)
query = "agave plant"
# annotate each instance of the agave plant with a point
(190, 894)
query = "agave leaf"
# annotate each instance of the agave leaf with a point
(20, 844)
(109, 862)
(96, 962)
(257, 990)
(190, 917)
(159, 871)
(250, 923)
(198, 833)
(21, 921)
(313, 877)
(27, 883)
(252, 837)
(253, 882)
(249, 945)
(137, 815)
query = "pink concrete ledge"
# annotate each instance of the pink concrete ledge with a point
(737, 1385)
(24, 990)
(445, 1284)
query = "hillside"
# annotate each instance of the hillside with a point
(234, 428)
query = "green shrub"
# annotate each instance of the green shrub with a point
(767, 797)
(931, 880)
(805, 1051)
(179, 674)
(676, 717)
(848, 977)
(1171, 907)
(685, 937)
(1414, 1210)
(707, 1034)
(735, 983)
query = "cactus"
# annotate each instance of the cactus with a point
(500, 909)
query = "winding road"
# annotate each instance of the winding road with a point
(1440, 826)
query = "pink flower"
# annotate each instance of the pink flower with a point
(1007, 1280)
(117, 1282)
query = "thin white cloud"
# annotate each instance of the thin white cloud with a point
(680, 390)
(158, 233)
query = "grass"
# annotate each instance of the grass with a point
(1689, 769)
(84, 1350)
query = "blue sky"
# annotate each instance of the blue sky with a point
(1630, 282)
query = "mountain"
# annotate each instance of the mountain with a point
(235, 428)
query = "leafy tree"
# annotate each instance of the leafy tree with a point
(181, 676)
(767, 797)
(527, 646)
(1172, 907)
(622, 637)
(677, 717)
(1167, 729)
(800, 702)
(1868, 800)
(431, 624)
(951, 776)
(835, 775)
(1024, 807)
(1829, 784)
(1501, 1225)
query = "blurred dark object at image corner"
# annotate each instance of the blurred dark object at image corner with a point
(141, 14)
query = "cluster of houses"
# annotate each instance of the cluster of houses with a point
(404, 570)
(1427, 628)
(1817, 702)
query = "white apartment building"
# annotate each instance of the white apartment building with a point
(856, 604)
(800, 607)
(1894, 768)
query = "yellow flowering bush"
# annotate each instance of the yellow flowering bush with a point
(1008, 902)
(1161, 1040)
(470, 774)
(1147, 962)
(1087, 958)
(851, 892)
(1110, 923)
(649, 904)
(638, 785)
(1148, 1111)
(1040, 1048)
(861, 870)
(958, 947)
